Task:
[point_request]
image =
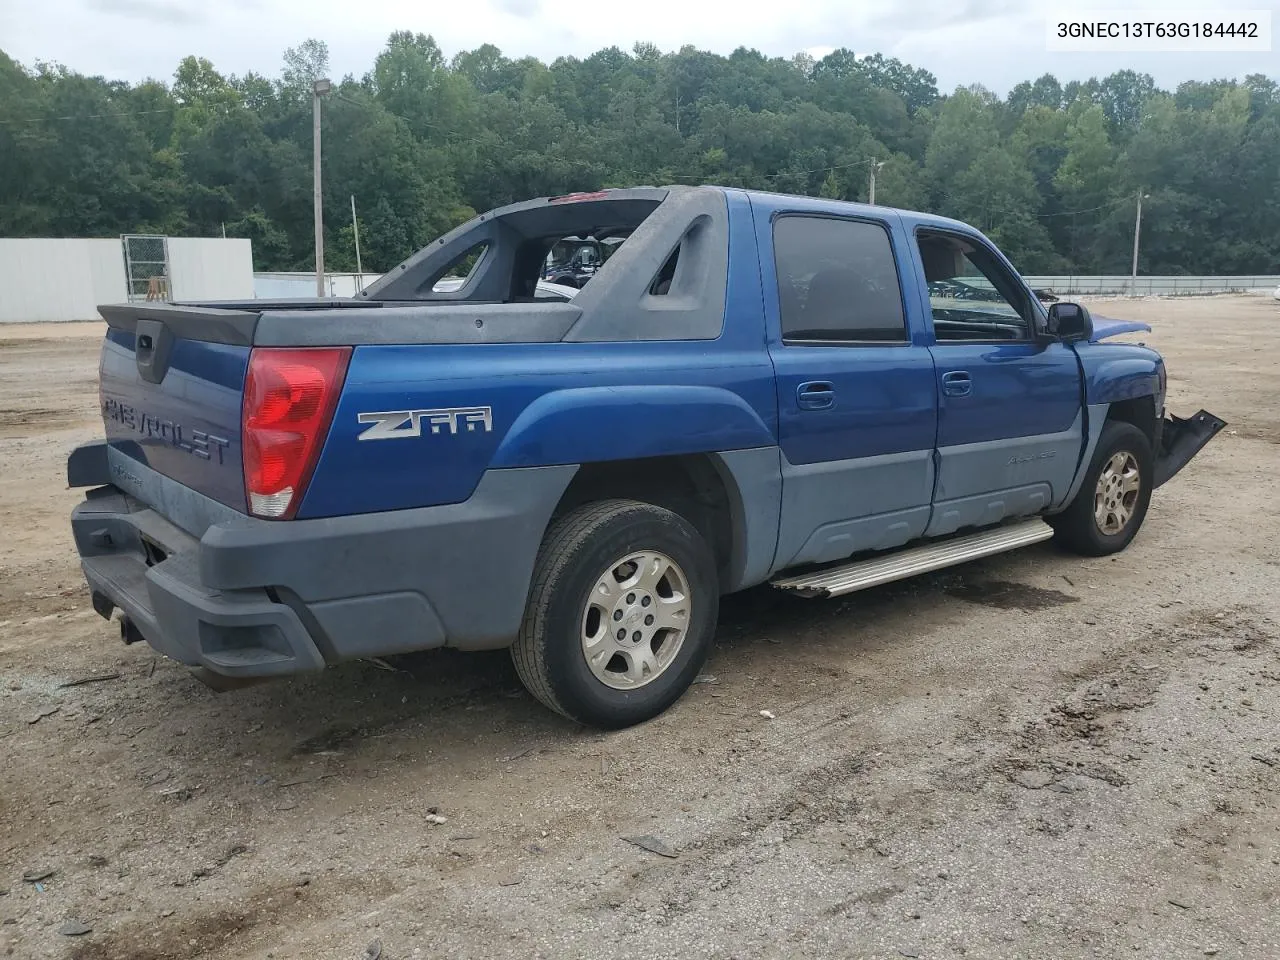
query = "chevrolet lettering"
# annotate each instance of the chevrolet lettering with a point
(201, 444)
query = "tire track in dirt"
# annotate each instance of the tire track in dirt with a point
(197, 934)
(1084, 733)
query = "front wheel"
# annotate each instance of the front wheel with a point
(1112, 501)
(621, 614)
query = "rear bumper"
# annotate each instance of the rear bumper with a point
(149, 569)
(250, 598)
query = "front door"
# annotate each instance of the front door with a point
(856, 397)
(1010, 421)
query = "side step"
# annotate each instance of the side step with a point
(837, 581)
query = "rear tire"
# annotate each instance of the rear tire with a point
(1112, 502)
(621, 614)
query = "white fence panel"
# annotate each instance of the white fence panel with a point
(43, 279)
(58, 279)
(210, 268)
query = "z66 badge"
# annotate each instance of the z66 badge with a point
(392, 424)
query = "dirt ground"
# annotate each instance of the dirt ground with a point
(1029, 756)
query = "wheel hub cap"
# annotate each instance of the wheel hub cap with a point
(636, 619)
(1116, 497)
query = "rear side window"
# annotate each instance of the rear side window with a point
(837, 280)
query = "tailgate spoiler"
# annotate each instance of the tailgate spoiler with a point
(231, 324)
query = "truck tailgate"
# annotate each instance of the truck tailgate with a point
(170, 386)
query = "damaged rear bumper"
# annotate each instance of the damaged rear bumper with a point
(1178, 441)
(245, 598)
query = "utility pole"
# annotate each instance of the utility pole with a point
(871, 189)
(1137, 233)
(318, 89)
(355, 229)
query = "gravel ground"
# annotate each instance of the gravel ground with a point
(1029, 756)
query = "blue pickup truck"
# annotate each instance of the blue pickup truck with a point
(754, 388)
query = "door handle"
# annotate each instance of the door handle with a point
(816, 395)
(957, 383)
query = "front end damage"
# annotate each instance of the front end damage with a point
(1178, 440)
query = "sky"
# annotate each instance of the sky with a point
(996, 43)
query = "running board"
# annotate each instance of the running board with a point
(837, 581)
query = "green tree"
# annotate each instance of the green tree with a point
(422, 142)
(303, 64)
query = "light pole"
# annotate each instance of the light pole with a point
(1137, 232)
(871, 189)
(318, 89)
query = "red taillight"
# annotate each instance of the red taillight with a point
(289, 396)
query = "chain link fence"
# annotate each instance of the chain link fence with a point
(146, 263)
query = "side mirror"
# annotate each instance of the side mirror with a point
(1069, 322)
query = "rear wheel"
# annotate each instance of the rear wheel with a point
(1112, 502)
(621, 613)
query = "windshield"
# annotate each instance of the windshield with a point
(571, 251)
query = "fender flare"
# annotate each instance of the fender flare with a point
(595, 424)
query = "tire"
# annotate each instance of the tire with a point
(586, 556)
(1082, 528)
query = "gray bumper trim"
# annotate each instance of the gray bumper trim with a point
(471, 561)
(239, 633)
(260, 598)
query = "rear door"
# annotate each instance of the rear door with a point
(856, 396)
(1010, 413)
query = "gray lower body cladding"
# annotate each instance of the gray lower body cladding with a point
(255, 598)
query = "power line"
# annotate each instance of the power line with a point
(453, 138)
(1072, 213)
(426, 123)
(803, 173)
(93, 116)
(551, 156)
(681, 178)
(463, 139)
(1043, 216)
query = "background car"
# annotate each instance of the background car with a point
(546, 290)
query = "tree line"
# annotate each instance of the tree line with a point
(1051, 172)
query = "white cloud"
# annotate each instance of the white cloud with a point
(993, 42)
(153, 11)
(519, 8)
